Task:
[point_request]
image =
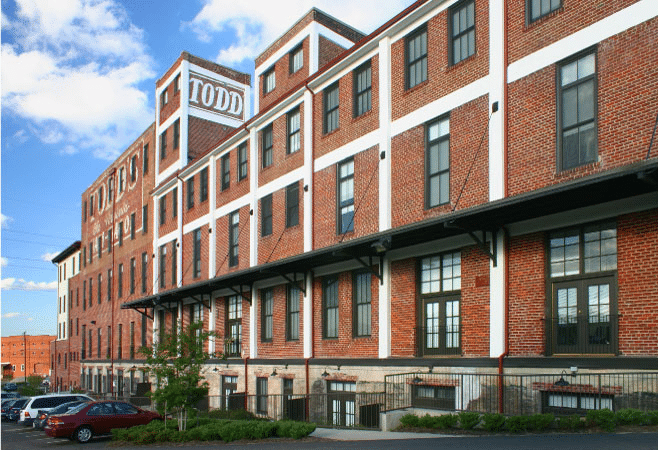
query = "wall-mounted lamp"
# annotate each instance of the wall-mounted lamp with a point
(562, 381)
(382, 244)
(93, 322)
(417, 380)
(273, 374)
(325, 374)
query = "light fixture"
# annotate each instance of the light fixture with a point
(215, 369)
(431, 367)
(273, 374)
(325, 374)
(417, 380)
(382, 244)
(562, 381)
(93, 322)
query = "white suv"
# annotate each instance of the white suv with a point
(46, 403)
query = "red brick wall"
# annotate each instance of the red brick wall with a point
(236, 188)
(442, 78)
(280, 346)
(282, 162)
(627, 70)
(366, 199)
(474, 304)
(404, 309)
(199, 209)
(574, 15)
(173, 103)
(408, 165)
(283, 241)
(203, 136)
(349, 127)
(527, 295)
(221, 228)
(284, 79)
(327, 51)
(637, 265)
(346, 345)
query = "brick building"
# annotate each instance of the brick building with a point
(37, 359)
(469, 188)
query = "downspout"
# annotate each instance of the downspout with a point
(505, 231)
(246, 382)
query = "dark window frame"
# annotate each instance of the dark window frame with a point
(243, 161)
(529, 5)
(163, 210)
(429, 175)
(362, 326)
(144, 271)
(226, 172)
(362, 82)
(293, 135)
(176, 132)
(266, 222)
(196, 239)
(269, 84)
(292, 312)
(133, 266)
(174, 202)
(331, 109)
(203, 185)
(261, 395)
(174, 262)
(145, 158)
(454, 10)
(416, 63)
(330, 305)
(294, 53)
(267, 144)
(292, 204)
(163, 145)
(267, 315)
(233, 238)
(190, 192)
(344, 206)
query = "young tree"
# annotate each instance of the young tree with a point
(176, 362)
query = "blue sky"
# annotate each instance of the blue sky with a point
(78, 81)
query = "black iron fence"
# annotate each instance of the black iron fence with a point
(565, 393)
(583, 334)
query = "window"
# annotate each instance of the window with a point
(345, 204)
(132, 226)
(120, 234)
(91, 205)
(269, 81)
(91, 292)
(577, 97)
(267, 311)
(292, 312)
(177, 84)
(296, 59)
(362, 89)
(294, 133)
(582, 279)
(267, 143)
(120, 281)
(266, 215)
(197, 253)
(100, 198)
(234, 323)
(109, 284)
(119, 348)
(226, 172)
(144, 268)
(434, 397)
(109, 240)
(84, 295)
(91, 343)
(292, 205)
(84, 211)
(164, 98)
(416, 57)
(99, 288)
(122, 176)
(437, 162)
(99, 244)
(575, 402)
(110, 189)
(330, 307)
(361, 295)
(261, 395)
(163, 270)
(341, 403)
(174, 262)
(98, 346)
(133, 169)
(132, 275)
(174, 202)
(163, 145)
(177, 134)
(91, 252)
(233, 235)
(242, 162)
(203, 185)
(190, 192)
(536, 9)
(462, 31)
(145, 158)
(145, 218)
(132, 340)
(330, 108)
(440, 292)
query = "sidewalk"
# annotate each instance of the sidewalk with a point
(370, 435)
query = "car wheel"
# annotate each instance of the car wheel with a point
(83, 434)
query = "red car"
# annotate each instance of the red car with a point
(97, 418)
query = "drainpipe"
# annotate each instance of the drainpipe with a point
(246, 381)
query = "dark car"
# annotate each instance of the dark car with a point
(42, 415)
(6, 406)
(14, 410)
(10, 387)
(97, 418)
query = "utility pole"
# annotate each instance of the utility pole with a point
(25, 355)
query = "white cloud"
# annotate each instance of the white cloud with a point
(49, 256)
(257, 23)
(5, 221)
(21, 136)
(16, 284)
(73, 70)
(3, 261)
(11, 315)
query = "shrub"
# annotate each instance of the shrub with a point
(603, 418)
(409, 420)
(652, 417)
(238, 414)
(295, 430)
(468, 420)
(427, 421)
(493, 422)
(573, 422)
(540, 422)
(146, 437)
(516, 424)
(446, 421)
(631, 417)
(120, 434)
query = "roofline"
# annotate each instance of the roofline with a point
(67, 252)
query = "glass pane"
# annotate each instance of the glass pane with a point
(434, 159)
(586, 101)
(470, 15)
(586, 65)
(569, 73)
(433, 131)
(534, 9)
(570, 149)
(569, 107)
(587, 143)
(445, 188)
(444, 155)
(444, 127)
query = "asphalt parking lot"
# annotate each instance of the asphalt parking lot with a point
(19, 437)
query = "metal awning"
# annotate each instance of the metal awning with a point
(615, 184)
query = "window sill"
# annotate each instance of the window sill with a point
(409, 90)
(535, 23)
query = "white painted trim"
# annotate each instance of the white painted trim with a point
(253, 187)
(179, 232)
(228, 208)
(432, 12)
(253, 324)
(496, 94)
(345, 71)
(448, 102)
(614, 24)
(497, 299)
(348, 150)
(212, 207)
(211, 325)
(215, 76)
(313, 51)
(210, 116)
(282, 108)
(384, 317)
(307, 196)
(281, 182)
(385, 111)
(201, 221)
(167, 238)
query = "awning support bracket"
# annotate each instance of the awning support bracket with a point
(378, 273)
(482, 244)
(295, 282)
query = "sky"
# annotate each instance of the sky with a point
(78, 83)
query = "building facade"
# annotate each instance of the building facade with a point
(15, 358)
(469, 188)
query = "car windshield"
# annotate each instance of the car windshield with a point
(76, 409)
(64, 408)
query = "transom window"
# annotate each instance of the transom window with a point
(462, 27)
(536, 9)
(577, 112)
(362, 89)
(437, 162)
(331, 111)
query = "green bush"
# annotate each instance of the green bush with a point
(540, 422)
(631, 417)
(120, 434)
(516, 424)
(652, 417)
(573, 422)
(468, 420)
(409, 420)
(446, 421)
(238, 414)
(493, 422)
(603, 418)
(427, 421)
(295, 430)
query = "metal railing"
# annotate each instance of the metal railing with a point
(583, 334)
(232, 349)
(438, 340)
(522, 394)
